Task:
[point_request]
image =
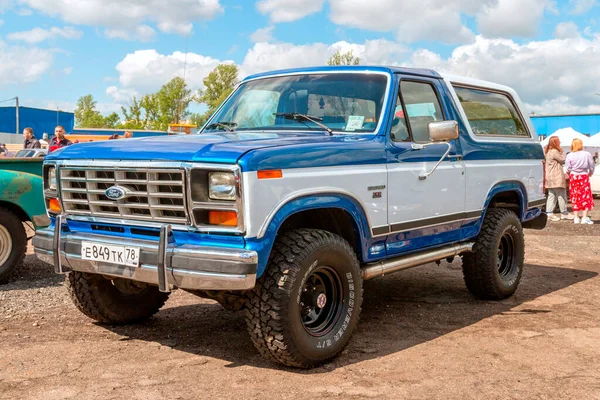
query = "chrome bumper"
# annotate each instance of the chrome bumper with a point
(162, 264)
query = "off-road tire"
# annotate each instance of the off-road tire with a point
(276, 313)
(14, 227)
(485, 274)
(99, 299)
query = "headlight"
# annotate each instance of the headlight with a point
(52, 178)
(221, 186)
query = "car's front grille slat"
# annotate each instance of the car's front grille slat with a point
(151, 195)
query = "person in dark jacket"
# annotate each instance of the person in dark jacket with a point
(59, 140)
(30, 141)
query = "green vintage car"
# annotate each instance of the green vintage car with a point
(21, 200)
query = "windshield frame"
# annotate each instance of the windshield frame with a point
(384, 106)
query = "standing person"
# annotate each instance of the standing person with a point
(580, 166)
(59, 140)
(555, 180)
(30, 141)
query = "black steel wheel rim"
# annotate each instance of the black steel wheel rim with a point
(321, 301)
(506, 255)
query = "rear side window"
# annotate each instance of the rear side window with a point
(422, 106)
(491, 113)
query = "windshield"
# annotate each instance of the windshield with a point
(344, 102)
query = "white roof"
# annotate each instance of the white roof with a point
(477, 82)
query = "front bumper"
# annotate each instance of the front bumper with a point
(166, 265)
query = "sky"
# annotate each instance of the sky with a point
(54, 51)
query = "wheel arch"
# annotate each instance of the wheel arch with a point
(15, 209)
(336, 212)
(511, 195)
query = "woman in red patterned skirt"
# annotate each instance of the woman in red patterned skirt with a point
(580, 166)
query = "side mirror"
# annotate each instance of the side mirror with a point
(443, 131)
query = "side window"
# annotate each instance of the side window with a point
(490, 113)
(422, 107)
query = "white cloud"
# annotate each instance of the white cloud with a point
(582, 6)
(175, 16)
(562, 105)
(1, 22)
(68, 70)
(37, 35)
(143, 33)
(24, 12)
(121, 96)
(23, 65)
(268, 56)
(411, 20)
(566, 30)
(540, 71)
(509, 18)
(144, 71)
(148, 70)
(289, 10)
(263, 34)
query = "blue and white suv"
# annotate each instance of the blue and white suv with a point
(303, 184)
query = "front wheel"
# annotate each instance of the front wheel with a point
(114, 301)
(493, 270)
(306, 305)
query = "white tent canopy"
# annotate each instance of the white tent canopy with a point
(566, 136)
(594, 140)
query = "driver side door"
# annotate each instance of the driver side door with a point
(422, 212)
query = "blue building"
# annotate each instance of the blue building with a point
(588, 124)
(42, 121)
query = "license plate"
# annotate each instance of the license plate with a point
(123, 255)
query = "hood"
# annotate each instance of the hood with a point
(216, 148)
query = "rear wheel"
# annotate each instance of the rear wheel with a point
(493, 270)
(304, 308)
(114, 301)
(13, 243)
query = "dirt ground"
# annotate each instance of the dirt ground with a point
(421, 336)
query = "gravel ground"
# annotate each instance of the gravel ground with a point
(421, 336)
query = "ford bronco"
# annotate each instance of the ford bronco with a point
(303, 184)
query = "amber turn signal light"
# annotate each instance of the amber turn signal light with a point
(225, 218)
(270, 174)
(54, 206)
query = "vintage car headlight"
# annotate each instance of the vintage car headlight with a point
(51, 178)
(221, 186)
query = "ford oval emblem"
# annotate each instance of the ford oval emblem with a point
(116, 193)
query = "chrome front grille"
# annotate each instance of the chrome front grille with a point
(152, 194)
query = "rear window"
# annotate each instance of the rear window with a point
(491, 113)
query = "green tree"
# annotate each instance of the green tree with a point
(86, 115)
(171, 102)
(198, 119)
(157, 110)
(112, 120)
(346, 58)
(219, 83)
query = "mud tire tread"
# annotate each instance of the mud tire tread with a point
(266, 303)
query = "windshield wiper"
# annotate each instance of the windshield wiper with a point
(226, 125)
(304, 117)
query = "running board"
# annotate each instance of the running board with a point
(413, 260)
